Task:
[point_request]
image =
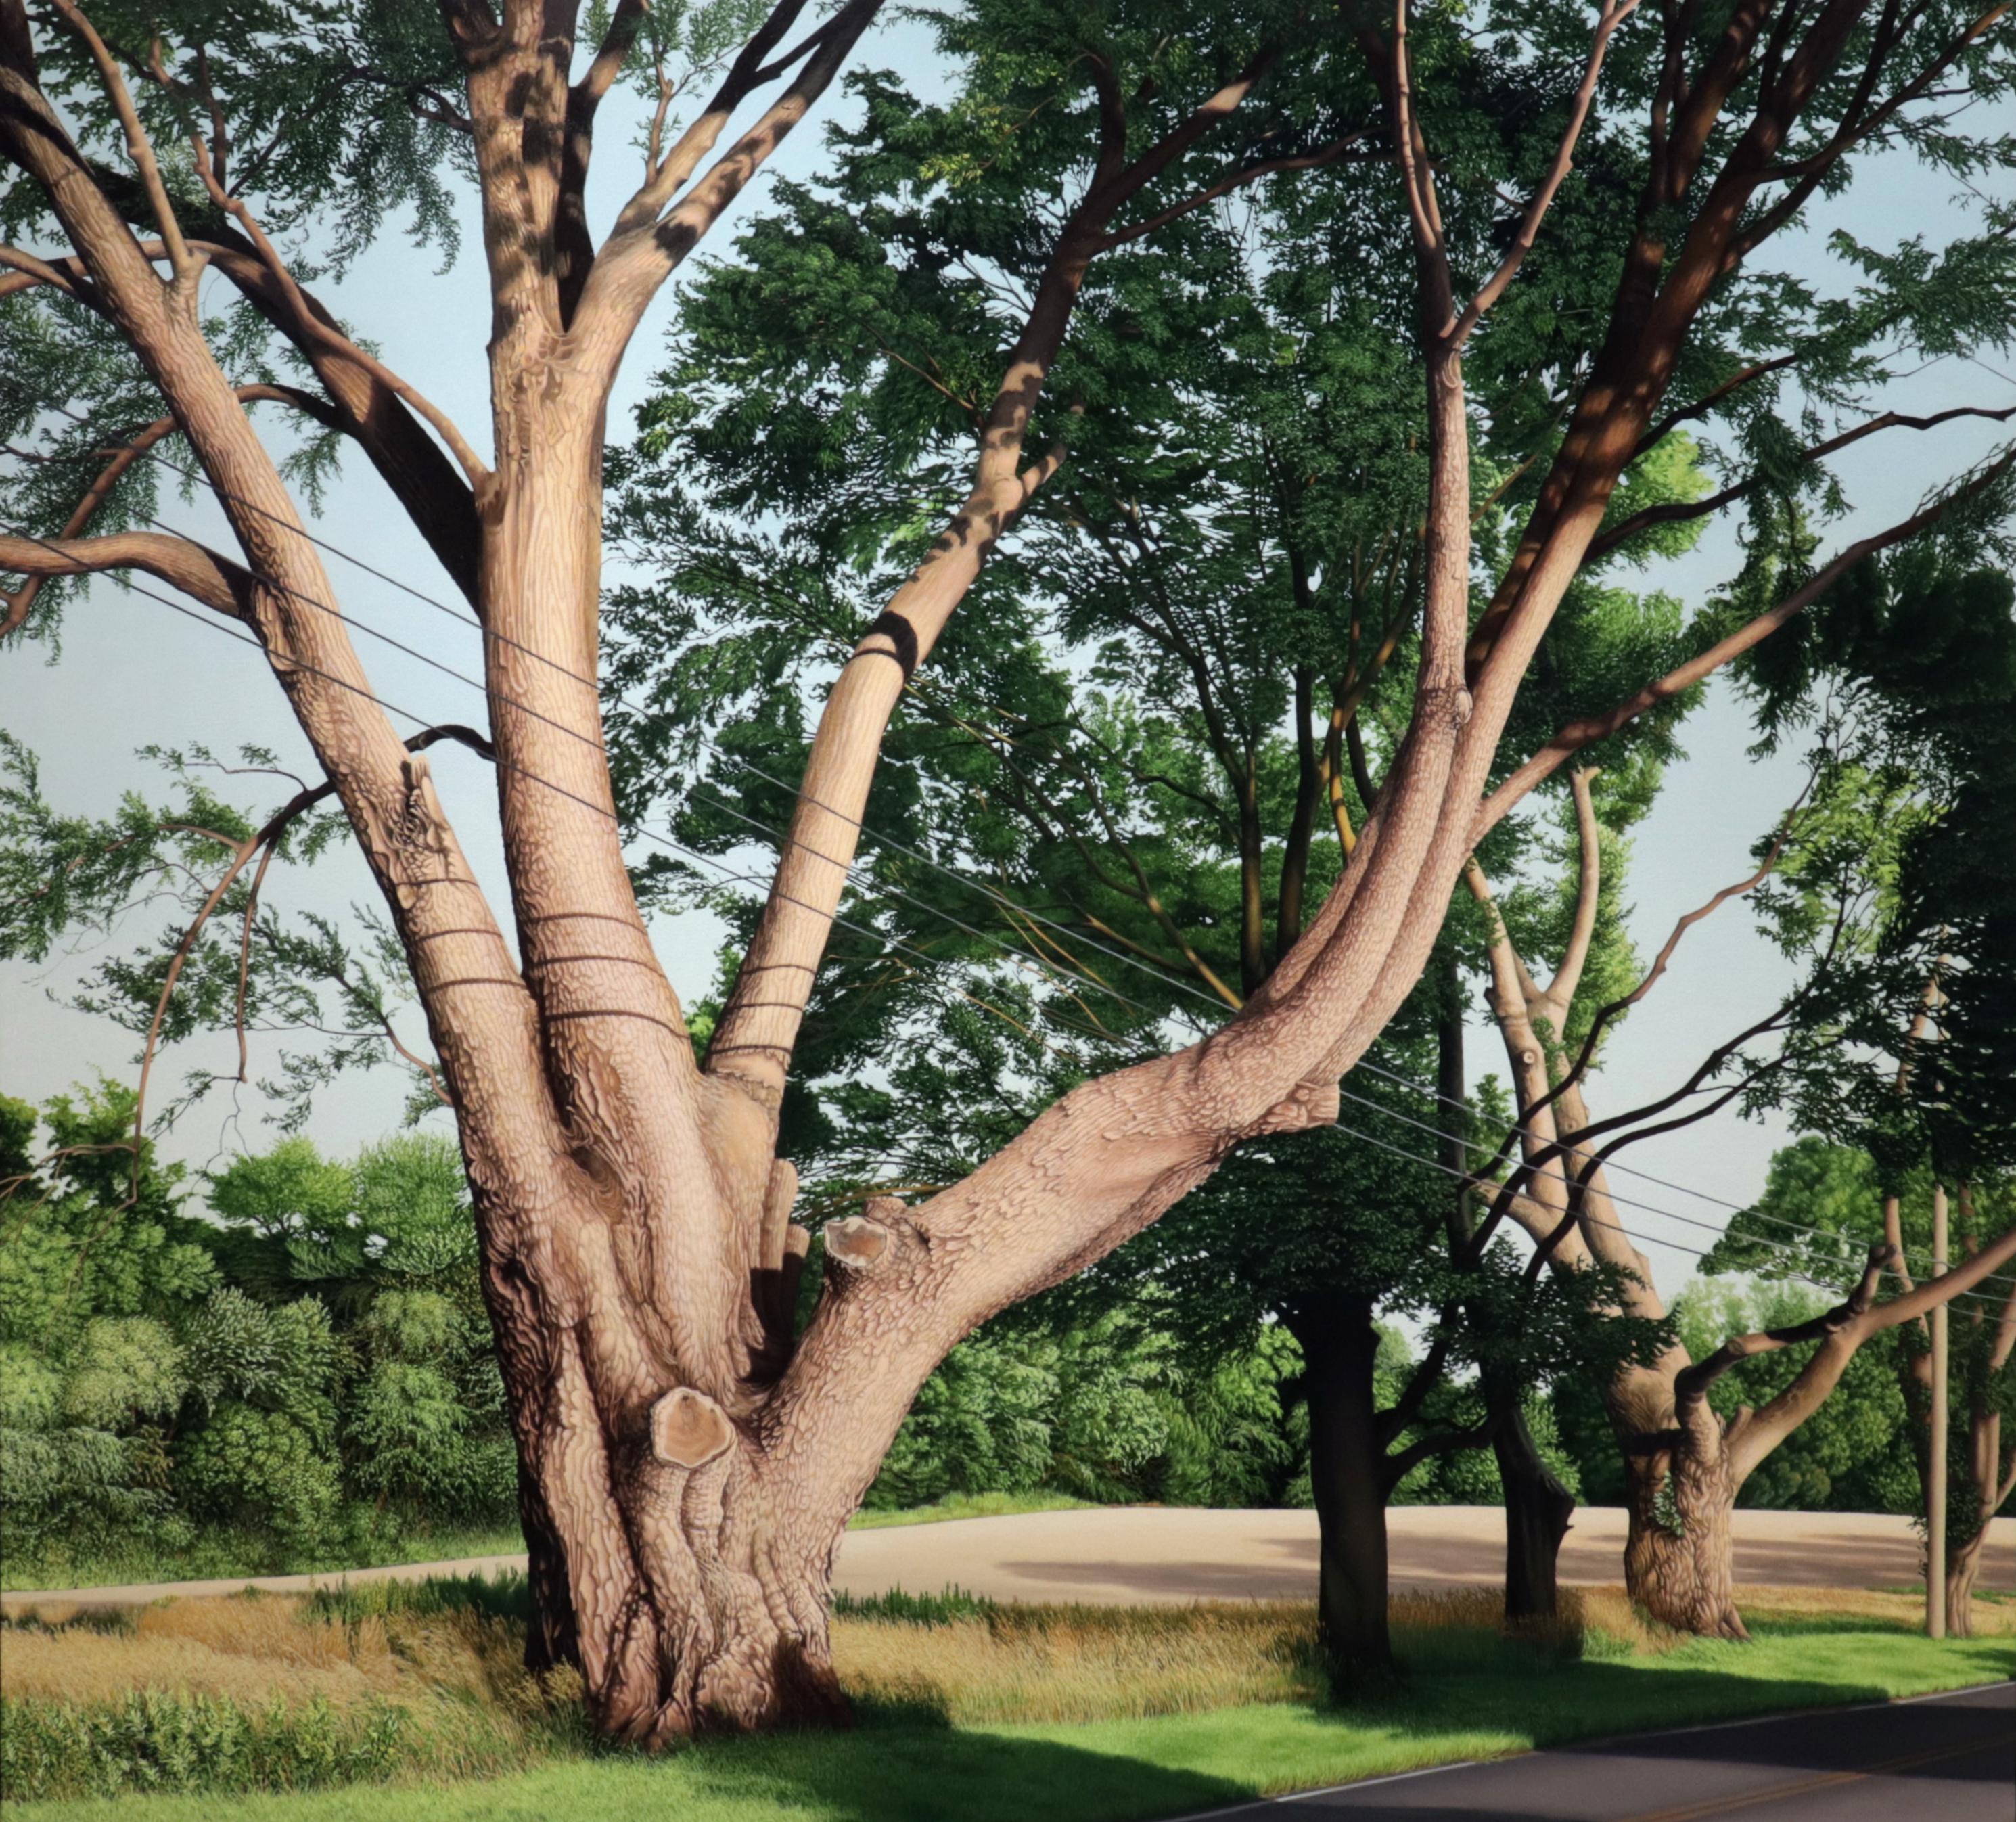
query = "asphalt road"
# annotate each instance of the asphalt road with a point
(1934, 1758)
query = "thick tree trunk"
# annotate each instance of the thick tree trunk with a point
(687, 1584)
(1679, 1491)
(1347, 1474)
(1678, 1564)
(1538, 1508)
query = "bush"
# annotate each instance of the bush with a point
(266, 1470)
(153, 1741)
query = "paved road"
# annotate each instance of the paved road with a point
(1935, 1759)
(1127, 1555)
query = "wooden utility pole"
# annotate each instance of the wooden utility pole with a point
(1935, 1475)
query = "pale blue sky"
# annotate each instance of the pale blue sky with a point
(132, 673)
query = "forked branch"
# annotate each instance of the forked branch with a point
(1586, 732)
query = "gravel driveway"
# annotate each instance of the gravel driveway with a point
(1128, 1555)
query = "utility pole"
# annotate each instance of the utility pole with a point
(1935, 1475)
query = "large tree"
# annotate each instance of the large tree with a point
(686, 1462)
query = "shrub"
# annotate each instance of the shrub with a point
(266, 1470)
(154, 1741)
(126, 1368)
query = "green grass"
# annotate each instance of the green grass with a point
(1463, 1697)
(971, 1505)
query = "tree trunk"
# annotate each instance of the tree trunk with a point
(1538, 1508)
(1677, 1566)
(1962, 1570)
(687, 1582)
(1347, 1474)
(1679, 1561)
(1983, 1495)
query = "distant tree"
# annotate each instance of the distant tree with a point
(1686, 1462)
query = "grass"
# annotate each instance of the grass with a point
(971, 1505)
(222, 1555)
(399, 1702)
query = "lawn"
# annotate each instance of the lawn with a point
(969, 1713)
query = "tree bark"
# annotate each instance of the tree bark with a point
(1347, 1474)
(1962, 1570)
(1679, 1560)
(1538, 1508)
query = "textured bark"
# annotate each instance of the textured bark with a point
(1660, 1573)
(1538, 1511)
(1962, 1570)
(1678, 1560)
(1349, 1475)
(1990, 1481)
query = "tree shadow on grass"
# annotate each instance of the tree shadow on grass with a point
(913, 1774)
(906, 1766)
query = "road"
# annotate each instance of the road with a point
(1951, 1757)
(1127, 1555)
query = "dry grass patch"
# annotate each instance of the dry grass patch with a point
(274, 1647)
(391, 1680)
(1082, 1663)
(1776, 1606)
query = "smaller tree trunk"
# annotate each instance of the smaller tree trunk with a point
(1962, 1570)
(1538, 1508)
(1984, 1479)
(1347, 1474)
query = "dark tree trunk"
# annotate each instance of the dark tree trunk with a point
(1538, 1508)
(1347, 1473)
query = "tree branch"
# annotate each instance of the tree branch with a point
(1578, 734)
(1613, 13)
(16, 606)
(1671, 512)
(139, 148)
(1554, 1003)
(312, 326)
(200, 572)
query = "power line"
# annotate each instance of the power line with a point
(215, 625)
(1024, 959)
(859, 824)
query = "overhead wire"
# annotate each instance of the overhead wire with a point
(1044, 967)
(212, 623)
(1159, 974)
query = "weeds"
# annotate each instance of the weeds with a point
(371, 1681)
(156, 1741)
(954, 1603)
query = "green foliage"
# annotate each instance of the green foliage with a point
(1853, 1454)
(951, 1603)
(266, 1470)
(126, 1369)
(307, 1372)
(1100, 1406)
(95, 1232)
(154, 1741)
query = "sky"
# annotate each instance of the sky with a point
(132, 674)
